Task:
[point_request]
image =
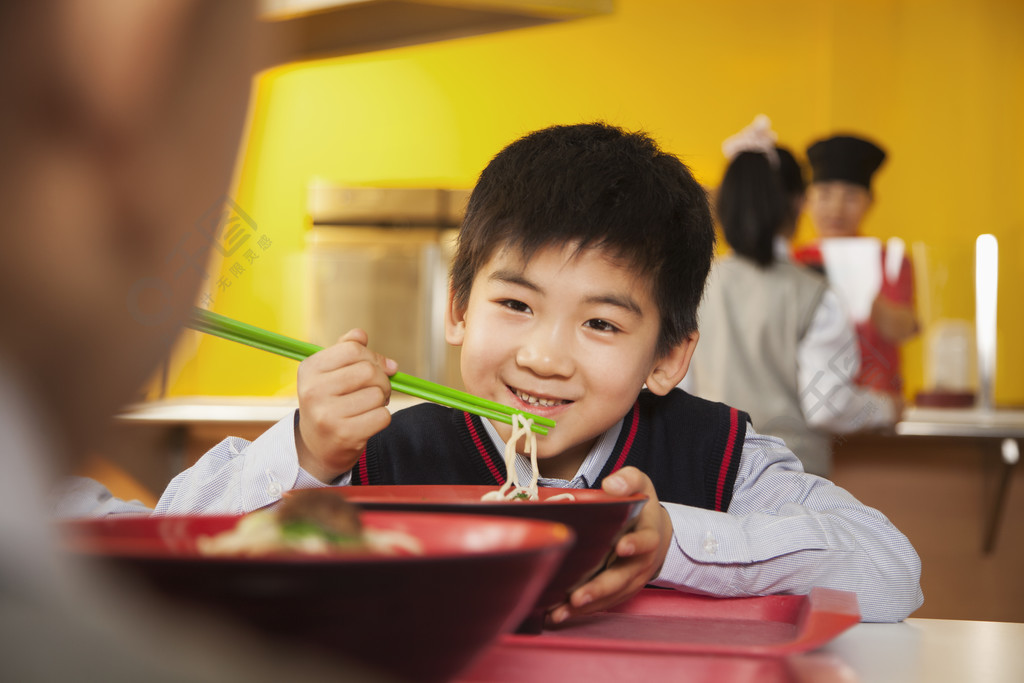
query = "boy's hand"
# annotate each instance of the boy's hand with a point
(343, 396)
(641, 552)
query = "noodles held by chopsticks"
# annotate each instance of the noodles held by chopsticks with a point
(511, 489)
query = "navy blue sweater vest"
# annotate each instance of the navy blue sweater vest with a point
(689, 447)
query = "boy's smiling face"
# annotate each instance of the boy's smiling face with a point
(566, 335)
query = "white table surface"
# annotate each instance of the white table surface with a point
(927, 650)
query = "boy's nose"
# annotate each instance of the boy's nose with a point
(546, 353)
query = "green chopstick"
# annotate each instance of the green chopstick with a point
(218, 325)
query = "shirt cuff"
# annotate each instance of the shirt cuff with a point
(705, 543)
(271, 465)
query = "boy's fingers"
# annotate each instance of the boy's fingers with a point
(337, 356)
(355, 334)
(605, 590)
(346, 354)
(638, 542)
(621, 483)
(390, 365)
(361, 427)
(352, 378)
(355, 403)
(360, 337)
(626, 482)
(639, 552)
(327, 411)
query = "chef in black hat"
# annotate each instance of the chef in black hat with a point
(839, 199)
(840, 195)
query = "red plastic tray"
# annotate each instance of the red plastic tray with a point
(660, 634)
(514, 664)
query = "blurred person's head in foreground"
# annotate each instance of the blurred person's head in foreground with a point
(762, 192)
(840, 195)
(119, 126)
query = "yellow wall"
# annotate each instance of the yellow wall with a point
(939, 82)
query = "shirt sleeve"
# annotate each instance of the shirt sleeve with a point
(238, 476)
(787, 532)
(82, 497)
(828, 359)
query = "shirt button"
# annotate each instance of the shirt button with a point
(274, 489)
(710, 543)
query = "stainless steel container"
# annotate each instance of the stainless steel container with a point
(378, 259)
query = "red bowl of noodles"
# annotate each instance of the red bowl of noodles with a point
(421, 613)
(597, 519)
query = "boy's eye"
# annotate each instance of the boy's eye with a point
(515, 305)
(601, 325)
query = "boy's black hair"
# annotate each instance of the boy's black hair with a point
(600, 187)
(752, 206)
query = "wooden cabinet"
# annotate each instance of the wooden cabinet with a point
(948, 483)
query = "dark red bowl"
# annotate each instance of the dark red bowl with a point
(598, 520)
(422, 617)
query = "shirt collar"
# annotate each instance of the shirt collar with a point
(589, 470)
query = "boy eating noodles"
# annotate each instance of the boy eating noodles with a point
(580, 266)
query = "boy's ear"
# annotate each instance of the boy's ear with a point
(454, 321)
(670, 369)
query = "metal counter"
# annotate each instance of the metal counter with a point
(967, 422)
(224, 410)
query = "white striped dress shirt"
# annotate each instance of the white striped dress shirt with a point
(786, 531)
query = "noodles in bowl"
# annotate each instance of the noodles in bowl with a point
(420, 616)
(310, 523)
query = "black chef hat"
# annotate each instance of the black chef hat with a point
(845, 157)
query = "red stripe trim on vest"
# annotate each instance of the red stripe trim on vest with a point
(479, 443)
(723, 469)
(364, 478)
(629, 439)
